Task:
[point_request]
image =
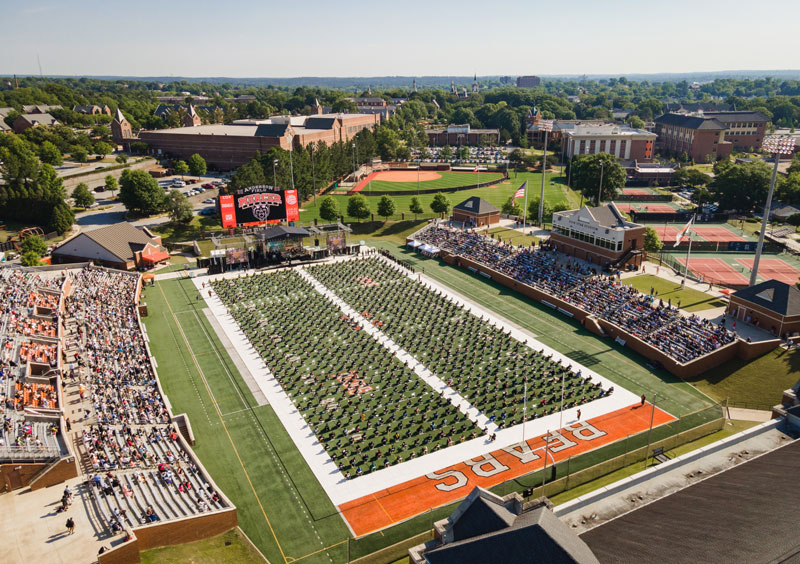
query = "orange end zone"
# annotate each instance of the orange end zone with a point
(404, 501)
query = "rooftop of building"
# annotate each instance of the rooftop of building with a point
(605, 129)
(607, 216)
(121, 239)
(476, 205)
(774, 295)
(737, 116)
(691, 122)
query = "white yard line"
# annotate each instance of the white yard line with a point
(336, 487)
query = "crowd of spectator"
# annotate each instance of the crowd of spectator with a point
(660, 324)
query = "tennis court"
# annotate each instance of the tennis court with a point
(716, 234)
(657, 208)
(715, 270)
(773, 269)
(636, 192)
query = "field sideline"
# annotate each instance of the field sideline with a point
(282, 507)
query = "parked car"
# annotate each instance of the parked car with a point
(178, 184)
(208, 211)
(209, 201)
(207, 185)
(100, 189)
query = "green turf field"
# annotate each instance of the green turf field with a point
(447, 180)
(282, 508)
(556, 191)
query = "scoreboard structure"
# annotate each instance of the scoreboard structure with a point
(258, 205)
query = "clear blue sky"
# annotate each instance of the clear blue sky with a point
(413, 37)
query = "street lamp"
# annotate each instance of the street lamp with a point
(274, 174)
(777, 145)
(313, 178)
(353, 145)
(547, 126)
(291, 166)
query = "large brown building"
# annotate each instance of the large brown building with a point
(625, 143)
(231, 145)
(746, 130)
(773, 304)
(476, 212)
(458, 135)
(528, 81)
(26, 121)
(600, 235)
(121, 246)
(702, 138)
(121, 128)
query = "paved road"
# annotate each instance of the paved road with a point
(94, 219)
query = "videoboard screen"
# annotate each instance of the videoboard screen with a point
(256, 205)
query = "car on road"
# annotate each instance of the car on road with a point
(99, 189)
(209, 201)
(208, 211)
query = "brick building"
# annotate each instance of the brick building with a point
(477, 212)
(701, 137)
(528, 81)
(231, 145)
(600, 235)
(458, 135)
(746, 130)
(26, 121)
(121, 129)
(775, 305)
(92, 110)
(623, 142)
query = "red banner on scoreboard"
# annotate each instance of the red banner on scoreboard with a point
(227, 211)
(292, 206)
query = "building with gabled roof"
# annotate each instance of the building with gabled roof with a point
(477, 212)
(121, 246)
(775, 305)
(702, 138)
(488, 528)
(26, 121)
(600, 235)
(92, 110)
(121, 128)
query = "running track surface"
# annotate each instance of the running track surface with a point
(773, 269)
(715, 270)
(404, 501)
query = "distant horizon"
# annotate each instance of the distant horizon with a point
(759, 73)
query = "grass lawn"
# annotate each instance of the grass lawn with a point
(555, 192)
(514, 236)
(730, 428)
(228, 548)
(173, 233)
(691, 300)
(758, 384)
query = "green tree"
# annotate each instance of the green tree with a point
(34, 244)
(111, 184)
(742, 187)
(794, 219)
(139, 192)
(652, 242)
(533, 211)
(586, 175)
(415, 207)
(691, 177)
(386, 207)
(388, 143)
(102, 149)
(82, 196)
(795, 166)
(702, 196)
(197, 165)
(61, 218)
(30, 259)
(328, 209)
(179, 207)
(722, 165)
(181, 168)
(511, 207)
(636, 122)
(788, 191)
(80, 154)
(440, 204)
(121, 159)
(358, 207)
(50, 154)
(446, 152)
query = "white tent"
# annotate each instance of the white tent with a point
(413, 244)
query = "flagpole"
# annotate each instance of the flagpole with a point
(688, 252)
(525, 211)
(524, 408)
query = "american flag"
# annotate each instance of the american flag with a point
(521, 192)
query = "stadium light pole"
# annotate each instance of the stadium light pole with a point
(544, 470)
(274, 173)
(353, 145)
(547, 125)
(291, 165)
(600, 188)
(650, 431)
(313, 177)
(777, 145)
